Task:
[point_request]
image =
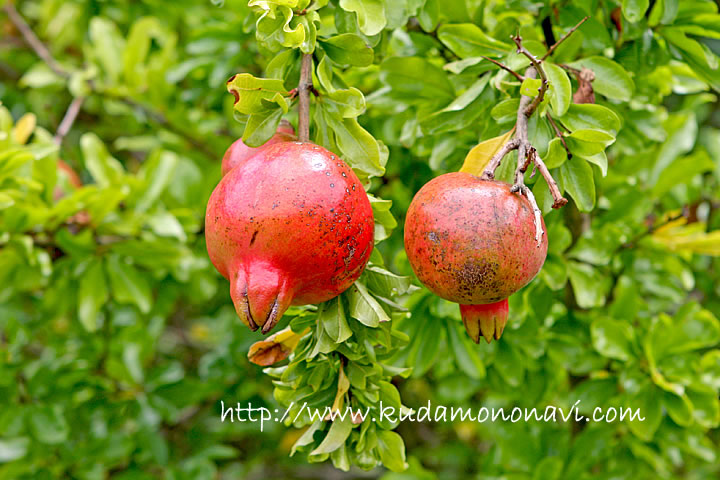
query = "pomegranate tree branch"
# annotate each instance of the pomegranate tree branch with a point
(71, 114)
(304, 88)
(40, 49)
(494, 163)
(537, 66)
(559, 134)
(68, 120)
(521, 131)
(552, 48)
(506, 68)
(536, 212)
(558, 199)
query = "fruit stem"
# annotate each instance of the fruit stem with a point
(304, 88)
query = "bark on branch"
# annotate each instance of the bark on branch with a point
(304, 88)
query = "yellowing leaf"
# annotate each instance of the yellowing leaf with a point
(276, 348)
(478, 158)
(691, 238)
(24, 128)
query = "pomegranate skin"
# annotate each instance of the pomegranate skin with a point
(290, 226)
(471, 241)
(238, 152)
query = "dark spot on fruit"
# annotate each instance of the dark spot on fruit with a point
(254, 236)
(477, 276)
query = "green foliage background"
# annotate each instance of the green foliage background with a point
(118, 338)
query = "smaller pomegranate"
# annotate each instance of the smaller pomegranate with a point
(472, 241)
(291, 225)
(239, 153)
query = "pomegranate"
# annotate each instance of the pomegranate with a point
(238, 152)
(472, 241)
(291, 225)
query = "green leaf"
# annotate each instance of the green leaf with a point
(691, 328)
(128, 284)
(679, 407)
(363, 307)
(336, 436)
(663, 12)
(261, 127)
(156, 174)
(370, 14)
(332, 318)
(697, 55)
(348, 49)
(557, 155)
(589, 285)
(40, 76)
(13, 448)
(577, 177)
(468, 40)
(611, 80)
(392, 450)
(706, 408)
(561, 89)
(634, 10)
(139, 42)
(105, 169)
(613, 338)
(646, 401)
(107, 46)
(682, 171)
(256, 95)
(49, 425)
(549, 468)
(274, 30)
(464, 351)
(591, 116)
(92, 295)
(358, 147)
(587, 142)
(416, 78)
(682, 131)
(530, 87)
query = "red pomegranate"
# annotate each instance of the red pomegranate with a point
(472, 241)
(290, 226)
(239, 152)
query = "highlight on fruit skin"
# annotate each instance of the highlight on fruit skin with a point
(472, 242)
(238, 152)
(292, 225)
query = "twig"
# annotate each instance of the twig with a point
(652, 228)
(68, 120)
(536, 64)
(560, 134)
(494, 163)
(40, 49)
(521, 133)
(506, 68)
(562, 39)
(537, 212)
(558, 199)
(304, 88)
